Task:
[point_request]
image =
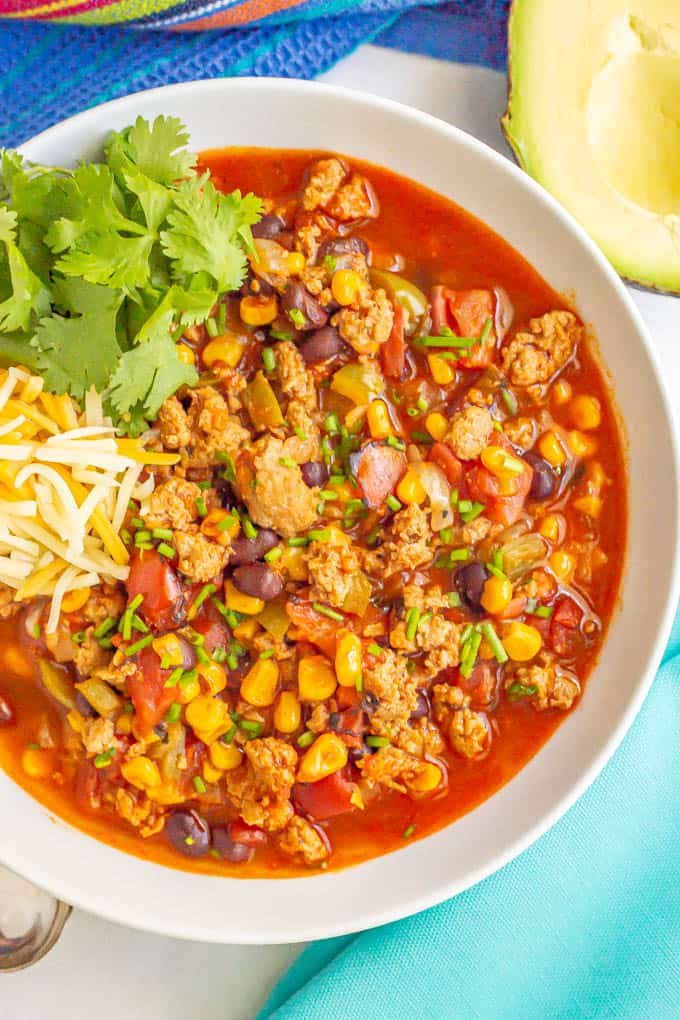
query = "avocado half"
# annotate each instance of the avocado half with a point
(594, 116)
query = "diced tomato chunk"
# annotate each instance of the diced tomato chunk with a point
(567, 612)
(249, 835)
(347, 697)
(351, 726)
(466, 312)
(480, 685)
(210, 623)
(308, 625)
(147, 689)
(484, 487)
(565, 636)
(443, 457)
(156, 580)
(327, 798)
(379, 469)
(393, 351)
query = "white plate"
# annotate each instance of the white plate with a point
(290, 114)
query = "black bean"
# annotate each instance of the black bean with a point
(369, 701)
(188, 833)
(470, 581)
(321, 345)
(250, 550)
(296, 297)
(258, 580)
(161, 730)
(422, 707)
(544, 480)
(6, 711)
(268, 227)
(188, 654)
(314, 472)
(338, 246)
(84, 706)
(236, 853)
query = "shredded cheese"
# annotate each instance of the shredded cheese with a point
(65, 484)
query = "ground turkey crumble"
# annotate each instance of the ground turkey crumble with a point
(534, 356)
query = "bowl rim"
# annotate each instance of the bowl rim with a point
(105, 904)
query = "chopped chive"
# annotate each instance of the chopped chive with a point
(472, 513)
(331, 424)
(330, 263)
(78, 637)
(453, 599)
(497, 558)
(33, 746)
(268, 359)
(206, 591)
(230, 469)
(232, 661)
(509, 400)
(443, 561)
(459, 555)
(495, 642)
(319, 535)
(495, 571)
(227, 737)
(211, 327)
(531, 606)
(173, 713)
(486, 330)
(412, 621)
(393, 503)
(397, 444)
(278, 334)
(137, 522)
(221, 317)
(359, 683)
(125, 625)
(165, 662)
(175, 677)
(189, 840)
(327, 611)
(201, 506)
(469, 655)
(297, 317)
(374, 648)
(336, 479)
(202, 655)
(138, 645)
(544, 612)
(412, 412)
(164, 534)
(138, 624)
(136, 603)
(453, 498)
(219, 654)
(354, 505)
(199, 785)
(408, 831)
(165, 550)
(464, 505)
(251, 726)
(126, 536)
(327, 495)
(105, 627)
(305, 739)
(296, 543)
(518, 690)
(228, 521)
(273, 555)
(377, 741)
(287, 462)
(446, 535)
(267, 653)
(142, 536)
(462, 342)
(100, 761)
(300, 433)
(132, 505)
(188, 677)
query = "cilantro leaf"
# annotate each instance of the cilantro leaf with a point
(208, 232)
(153, 198)
(153, 149)
(27, 294)
(145, 377)
(81, 351)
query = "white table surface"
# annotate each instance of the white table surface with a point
(97, 966)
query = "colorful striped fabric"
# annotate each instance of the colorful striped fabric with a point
(62, 56)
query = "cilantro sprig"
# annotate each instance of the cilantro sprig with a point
(99, 265)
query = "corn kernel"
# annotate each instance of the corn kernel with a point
(185, 354)
(347, 286)
(259, 684)
(123, 724)
(595, 476)
(522, 641)
(75, 600)
(501, 463)
(585, 413)
(228, 349)
(551, 449)
(246, 630)
(551, 527)
(294, 562)
(188, 690)
(496, 595)
(206, 715)
(240, 603)
(348, 659)
(591, 506)
(410, 489)
(210, 773)
(141, 772)
(295, 262)
(581, 445)
(166, 794)
(212, 677)
(210, 526)
(225, 756)
(441, 370)
(562, 564)
(379, 422)
(436, 424)
(327, 755)
(287, 712)
(169, 647)
(428, 777)
(316, 678)
(258, 311)
(37, 763)
(561, 391)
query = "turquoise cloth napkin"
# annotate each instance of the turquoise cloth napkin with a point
(584, 924)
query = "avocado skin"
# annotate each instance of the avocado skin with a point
(518, 148)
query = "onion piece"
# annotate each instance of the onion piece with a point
(437, 487)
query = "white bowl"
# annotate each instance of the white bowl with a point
(293, 114)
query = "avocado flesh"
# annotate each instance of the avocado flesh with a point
(594, 116)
